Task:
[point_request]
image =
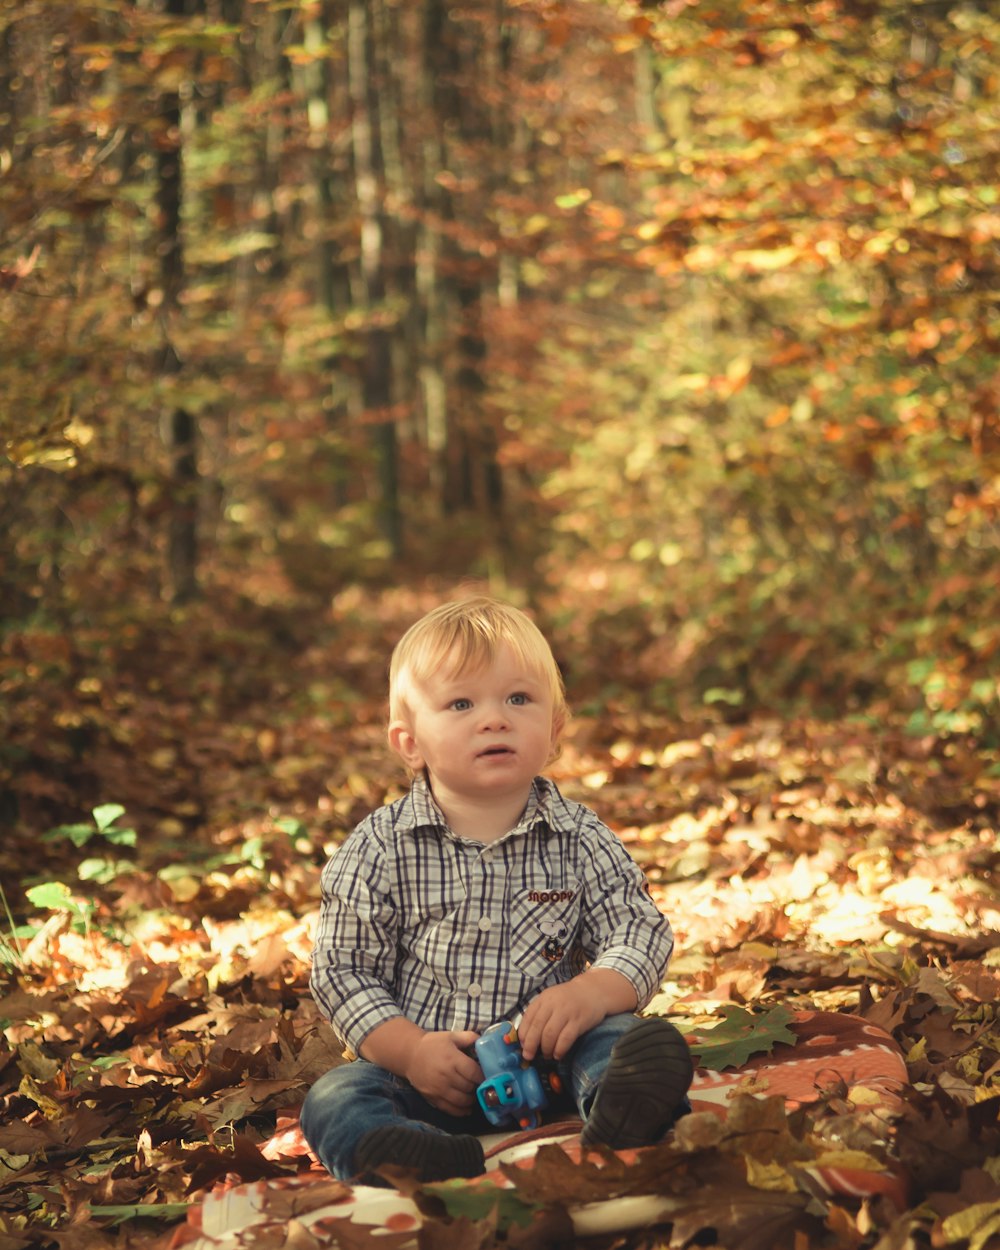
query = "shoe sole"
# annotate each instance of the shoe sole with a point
(433, 1156)
(647, 1078)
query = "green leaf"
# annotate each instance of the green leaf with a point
(121, 837)
(79, 835)
(476, 1202)
(106, 815)
(740, 1035)
(104, 870)
(252, 852)
(142, 1211)
(290, 825)
(52, 896)
(722, 694)
(573, 199)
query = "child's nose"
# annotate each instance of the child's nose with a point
(495, 716)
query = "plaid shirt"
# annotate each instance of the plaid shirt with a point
(457, 934)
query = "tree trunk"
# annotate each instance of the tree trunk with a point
(471, 478)
(179, 429)
(376, 370)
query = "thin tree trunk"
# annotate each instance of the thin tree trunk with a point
(471, 478)
(179, 429)
(369, 183)
(333, 275)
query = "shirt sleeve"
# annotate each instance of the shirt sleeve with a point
(622, 928)
(354, 954)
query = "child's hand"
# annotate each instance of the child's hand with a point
(557, 1017)
(443, 1073)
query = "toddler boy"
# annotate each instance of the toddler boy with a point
(483, 895)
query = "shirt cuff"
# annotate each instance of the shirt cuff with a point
(356, 1018)
(635, 971)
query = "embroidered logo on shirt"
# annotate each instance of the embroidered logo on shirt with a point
(551, 896)
(553, 950)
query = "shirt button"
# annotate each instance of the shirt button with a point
(485, 923)
(475, 989)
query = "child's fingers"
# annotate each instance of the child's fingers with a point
(529, 1034)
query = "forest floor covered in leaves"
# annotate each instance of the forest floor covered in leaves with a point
(155, 1014)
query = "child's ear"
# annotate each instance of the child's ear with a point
(404, 744)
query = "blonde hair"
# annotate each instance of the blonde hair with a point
(466, 635)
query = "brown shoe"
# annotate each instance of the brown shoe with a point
(644, 1088)
(434, 1156)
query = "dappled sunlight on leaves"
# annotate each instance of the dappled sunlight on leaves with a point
(158, 1029)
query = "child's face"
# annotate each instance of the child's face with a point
(481, 735)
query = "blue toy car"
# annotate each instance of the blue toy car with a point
(512, 1089)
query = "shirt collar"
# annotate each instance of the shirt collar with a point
(544, 808)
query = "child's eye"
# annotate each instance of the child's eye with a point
(519, 699)
(461, 705)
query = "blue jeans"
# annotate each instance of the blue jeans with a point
(351, 1100)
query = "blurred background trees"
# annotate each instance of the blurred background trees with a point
(678, 320)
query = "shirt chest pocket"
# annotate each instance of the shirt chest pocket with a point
(543, 929)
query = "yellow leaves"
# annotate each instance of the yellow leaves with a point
(11, 1163)
(595, 780)
(861, 1096)
(976, 1225)
(626, 43)
(708, 257)
(26, 452)
(984, 227)
(301, 54)
(573, 199)
(881, 243)
(848, 1160)
(668, 554)
(183, 886)
(874, 869)
(770, 1176)
(31, 1089)
(79, 432)
(535, 224)
(55, 445)
(633, 39)
(163, 759)
(34, 1063)
(763, 260)
(693, 382)
(358, 785)
(702, 258)
(738, 369)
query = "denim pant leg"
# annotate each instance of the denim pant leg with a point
(349, 1101)
(583, 1068)
(586, 1063)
